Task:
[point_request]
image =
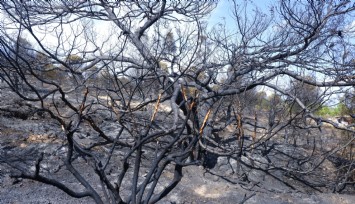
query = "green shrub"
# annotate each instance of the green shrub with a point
(331, 111)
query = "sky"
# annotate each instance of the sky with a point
(223, 11)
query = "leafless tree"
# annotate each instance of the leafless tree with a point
(182, 121)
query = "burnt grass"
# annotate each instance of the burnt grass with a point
(25, 133)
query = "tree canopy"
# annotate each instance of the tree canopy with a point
(172, 84)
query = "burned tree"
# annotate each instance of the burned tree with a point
(128, 133)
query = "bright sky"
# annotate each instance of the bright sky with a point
(223, 11)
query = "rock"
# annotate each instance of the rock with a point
(260, 161)
(222, 161)
(256, 176)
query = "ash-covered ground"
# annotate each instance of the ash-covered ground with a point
(23, 136)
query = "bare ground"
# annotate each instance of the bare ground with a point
(23, 135)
